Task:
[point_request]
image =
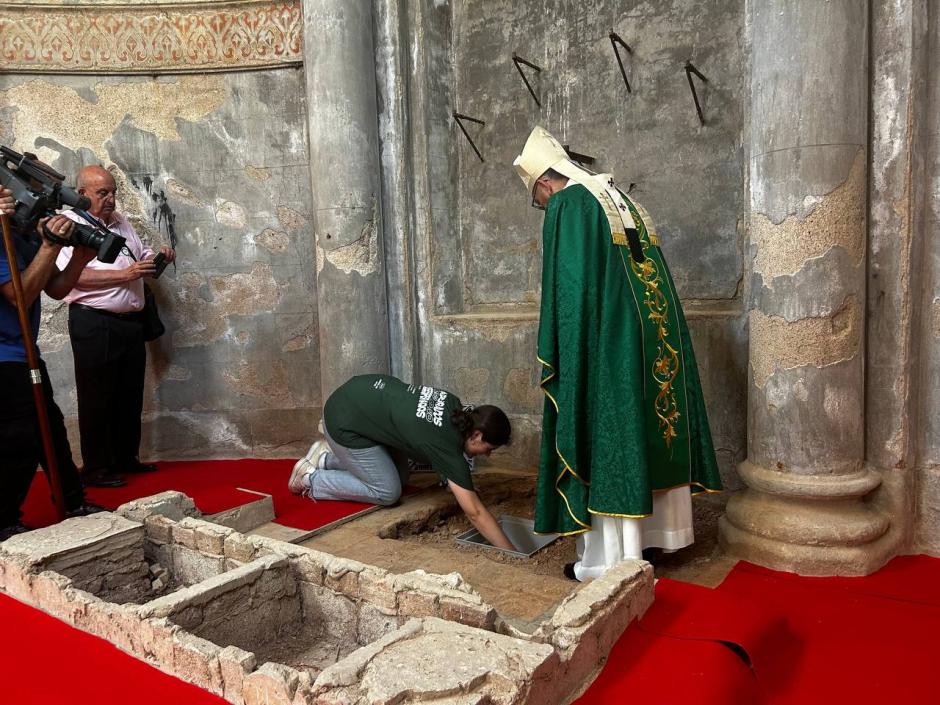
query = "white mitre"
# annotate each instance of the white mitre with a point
(543, 152)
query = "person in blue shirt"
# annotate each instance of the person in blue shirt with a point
(21, 449)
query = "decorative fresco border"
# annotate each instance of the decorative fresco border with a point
(153, 38)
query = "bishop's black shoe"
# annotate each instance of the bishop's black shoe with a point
(103, 478)
(568, 570)
(83, 510)
(138, 467)
(8, 531)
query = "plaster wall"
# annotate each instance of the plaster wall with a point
(215, 164)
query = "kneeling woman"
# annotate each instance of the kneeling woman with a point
(370, 414)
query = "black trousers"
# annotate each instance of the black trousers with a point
(110, 361)
(21, 450)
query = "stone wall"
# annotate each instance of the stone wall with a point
(214, 164)
(464, 245)
(204, 118)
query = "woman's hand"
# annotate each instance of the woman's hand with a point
(480, 517)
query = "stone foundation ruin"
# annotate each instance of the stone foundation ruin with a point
(261, 621)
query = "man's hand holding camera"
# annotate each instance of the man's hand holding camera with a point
(42, 273)
(7, 204)
(61, 228)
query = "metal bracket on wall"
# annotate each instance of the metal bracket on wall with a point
(616, 39)
(459, 117)
(517, 60)
(584, 159)
(689, 70)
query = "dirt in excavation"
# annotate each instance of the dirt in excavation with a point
(515, 498)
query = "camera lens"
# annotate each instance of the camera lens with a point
(107, 244)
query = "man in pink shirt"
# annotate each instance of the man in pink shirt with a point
(106, 329)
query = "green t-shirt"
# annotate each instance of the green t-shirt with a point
(372, 410)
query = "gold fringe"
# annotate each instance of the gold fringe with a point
(567, 467)
(620, 516)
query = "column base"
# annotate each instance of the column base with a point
(811, 525)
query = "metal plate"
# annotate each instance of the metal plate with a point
(519, 531)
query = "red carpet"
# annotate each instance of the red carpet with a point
(864, 641)
(60, 665)
(647, 668)
(213, 485)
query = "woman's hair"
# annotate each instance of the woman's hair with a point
(489, 420)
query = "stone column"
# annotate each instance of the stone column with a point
(339, 63)
(898, 241)
(392, 32)
(804, 507)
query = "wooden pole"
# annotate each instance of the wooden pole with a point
(35, 374)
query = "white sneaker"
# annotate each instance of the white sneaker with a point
(299, 482)
(316, 453)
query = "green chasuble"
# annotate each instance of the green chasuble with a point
(624, 415)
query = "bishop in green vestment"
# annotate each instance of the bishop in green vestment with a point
(625, 434)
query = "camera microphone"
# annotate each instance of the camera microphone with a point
(70, 197)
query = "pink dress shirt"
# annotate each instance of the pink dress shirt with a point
(120, 298)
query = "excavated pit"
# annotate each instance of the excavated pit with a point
(438, 527)
(265, 610)
(255, 619)
(421, 532)
(117, 561)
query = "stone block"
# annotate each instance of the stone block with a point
(171, 504)
(380, 591)
(184, 536)
(272, 684)
(412, 603)
(235, 664)
(309, 569)
(163, 644)
(238, 548)
(246, 517)
(374, 623)
(429, 657)
(46, 591)
(211, 539)
(336, 614)
(191, 567)
(16, 574)
(196, 661)
(342, 575)
(588, 622)
(466, 612)
(628, 584)
(77, 541)
(159, 528)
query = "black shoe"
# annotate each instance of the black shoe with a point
(8, 531)
(103, 479)
(568, 570)
(83, 510)
(137, 466)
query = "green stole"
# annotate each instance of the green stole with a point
(624, 415)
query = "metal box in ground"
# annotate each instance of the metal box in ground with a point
(520, 531)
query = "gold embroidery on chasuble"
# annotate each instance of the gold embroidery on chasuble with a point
(666, 366)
